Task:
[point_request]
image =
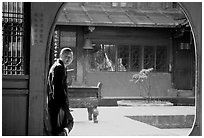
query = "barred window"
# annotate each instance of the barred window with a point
(13, 35)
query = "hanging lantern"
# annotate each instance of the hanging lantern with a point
(87, 45)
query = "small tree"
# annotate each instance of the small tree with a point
(141, 77)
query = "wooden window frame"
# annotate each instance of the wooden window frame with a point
(141, 58)
(11, 14)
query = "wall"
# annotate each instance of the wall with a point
(118, 84)
(16, 123)
(42, 19)
(193, 11)
(15, 105)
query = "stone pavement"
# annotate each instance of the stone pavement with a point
(112, 121)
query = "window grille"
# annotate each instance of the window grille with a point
(161, 59)
(12, 35)
(135, 63)
(149, 57)
(123, 58)
(102, 58)
(156, 57)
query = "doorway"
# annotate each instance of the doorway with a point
(184, 59)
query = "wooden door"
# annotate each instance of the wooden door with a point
(183, 68)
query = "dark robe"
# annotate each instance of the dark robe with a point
(58, 115)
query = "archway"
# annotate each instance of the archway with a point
(193, 27)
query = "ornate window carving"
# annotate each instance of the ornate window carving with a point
(13, 38)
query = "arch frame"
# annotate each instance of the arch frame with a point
(190, 10)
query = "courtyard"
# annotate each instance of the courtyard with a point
(116, 121)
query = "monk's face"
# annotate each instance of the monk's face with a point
(67, 58)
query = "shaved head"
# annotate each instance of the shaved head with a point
(66, 55)
(65, 51)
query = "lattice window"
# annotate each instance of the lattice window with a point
(161, 59)
(128, 58)
(13, 35)
(123, 58)
(135, 58)
(102, 58)
(149, 57)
